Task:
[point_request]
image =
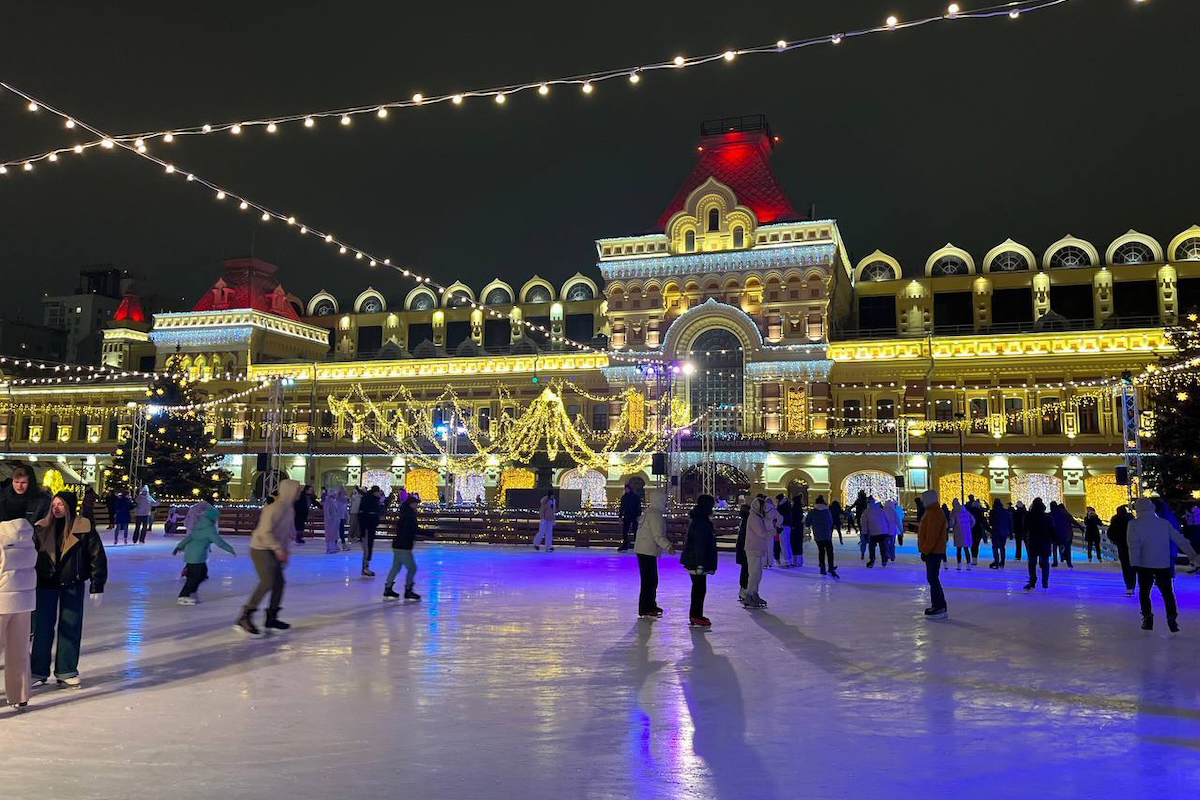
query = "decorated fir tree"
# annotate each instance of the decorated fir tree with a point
(1172, 463)
(178, 462)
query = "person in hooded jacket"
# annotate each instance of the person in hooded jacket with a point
(1039, 537)
(143, 514)
(1151, 554)
(894, 508)
(979, 529)
(195, 546)
(18, 597)
(649, 542)
(333, 519)
(877, 523)
(797, 532)
(369, 509)
(1000, 521)
(122, 511)
(820, 521)
(783, 553)
(269, 543)
(407, 531)
(22, 498)
(630, 510)
(1164, 511)
(69, 554)
(699, 557)
(960, 524)
(1118, 531)
(1063, 525)
(760, 532)
(931, 544)
(1091, 533)
(1018, 520)
(835, 511)
(740, 548)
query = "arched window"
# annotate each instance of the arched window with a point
(950, 265)
(739, 237)
(1188, 250)
(878, 271)
(372, 305)
(714, 220)
(498, 297)
(1070, 256)
(422, 302)
(1133, 253)
(716, 387)
(538, 294)
(1010, 261)
(324, 307)
(579, 291)
(459, 298)
(689, 242)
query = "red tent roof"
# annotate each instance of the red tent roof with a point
(737, 153)
(248, 283)
(130, 309)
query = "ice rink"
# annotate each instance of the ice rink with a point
(528, 675)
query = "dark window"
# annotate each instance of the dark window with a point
(689, 242)
(943, 410)
(1012, 306)
(146, 364)
(600, 417)
(1051, 416)
(1070, 256)
(952, 312)
(1135, 299)
(877, 313)
(1188, 250)
(496, 332)
(580, 327)
(885, 409)
(498, 297)
(851, 413)
(950, 265)
(1009, 261)
(370, 339)
(714, 220)
(82, 431)
(457, 332)
(573, 411)
(577, 292)
(1189, 293)
(324, 308)
(1013, 412)
(1073, 301)
(52, 428)
(979, 410)
(26, 426)
(113, 428)
(485, 420)
(739, 238)
(459, 298)
(1133, 253)
(419, 332)
(878, 271)
(1089, 415)
(538, 294)
(537, 335)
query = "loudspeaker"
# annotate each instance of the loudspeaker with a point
(899, 481)
(1122, 476)
(264, 462)
(658, 464)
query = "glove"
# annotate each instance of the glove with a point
(97, 599)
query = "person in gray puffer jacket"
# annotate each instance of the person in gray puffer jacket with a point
(18, 597)
(820, 521)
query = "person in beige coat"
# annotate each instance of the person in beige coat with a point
(18, 597)
(269, 552)
(650, 540)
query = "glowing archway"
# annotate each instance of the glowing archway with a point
(972, 483)
(1028, 487)
(589, 482)
(876, 483)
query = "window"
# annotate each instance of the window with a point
(578, 292)
(689, 242)
(1014, 408)
(877, 313)
(498, 297)
(1070, 256)
(370, 339)
(978, 411)
(739, 237)
(573, 411)
(422, 302)
(600, 417)
(52, 428)
(538, 294)
(485, 420)
(25, 428)
(324, 308)
(943, 410)
(1188, 250)
(1133, 253)
(1089, 415)
(878, 271)
(1051, 416)
(714, 220)
(885, 409)
(950, 265)
(82, 428)
(953, 312)
(851, 413)
(113, 428)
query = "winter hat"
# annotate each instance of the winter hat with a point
(69, 499)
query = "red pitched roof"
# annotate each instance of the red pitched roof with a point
(740, 159)
(248, 283)
(130, 309)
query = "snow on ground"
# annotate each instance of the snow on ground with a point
(528, 675)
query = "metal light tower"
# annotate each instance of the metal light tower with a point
(137, 444)
(274, 436)
(1131, 416)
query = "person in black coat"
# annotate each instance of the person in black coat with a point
(699, 557)
(1039, 536)
(739, 550)
(303, 505)
(407, 531)
(22, 498)
(630, 510)
(1091, 533)
(69, 553)
(1019, 513)
(369, 509)
(835, 510)
(1118, 532)
(797, 532)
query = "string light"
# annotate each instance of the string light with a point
(542, 86)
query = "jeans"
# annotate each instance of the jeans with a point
(785, 545)
(880, 542)
(119, 529)
(744, 577)
(797, 542)
(270, 579)
(889, 543)
(141, 526)
(838, 530)
(933, 574)
(862, 545)
(545, 534)
(1035, 559)
(959, 552)
(754, 572)
(196, 575)
(628, 526)
(699, 589)
(1096, 544)
(402, 559)
(367, 523)
(648, 572)
(1127, 570)
(62, 607)
(14, 643)
(825, 553)
(998, 550)
(1020, 540)
(1148, 577)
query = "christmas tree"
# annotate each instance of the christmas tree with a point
(178, 462)
(1172, 466)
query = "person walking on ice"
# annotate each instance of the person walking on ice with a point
(699, 557)
(402, 551)
(18, 598)
(546, 513)
(195, 548)
(931, 544)
(820, 520)
(760, 534)
(1150, 537)
(649, 542)
(269, 551)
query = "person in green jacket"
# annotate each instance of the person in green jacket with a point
(195, 552)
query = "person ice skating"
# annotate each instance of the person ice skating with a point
(960, 524)
(1039, 538)
(859, 508)
(1000, 521)
(546, 512)
(143, 512)
(110, 505)
(630, 510)
(739, 548)
(896, 532)
(1191, 526)
(1091, 533)
(87, 506)
(1150, 553)
(931, 544)
(783, 535)
(1019, 512)
(69, 553)
(875, 524)
(303, 507)
(760, 532)
(333, 518)
(356, 496)
(22, 498)
(820, 520)
(1118, 531)
(195, 546)
(979, 528)
(1063, 525)
(369, 509)
(407, 531)
(123, 510)
(797, 530)
(835, 511)
(18, 597)
(171, 525)
(650, 540)
(269, 544)
(699, 557)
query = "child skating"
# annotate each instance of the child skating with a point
(402, 551)
(195, 547)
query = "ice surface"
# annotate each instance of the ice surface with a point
(528, 675)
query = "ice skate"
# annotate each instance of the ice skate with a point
(1147, 622)
(409, 594)
(940, 613)
(699, 622)
(1173, 626)
(186, 601)
(549, 549)
(245, 624)
(833, 573)
(36, 682)
(367, 573)
(71, 683)
(658, 612)
(1129, 592)
(389, 593)
(1029, 587)
(274, 623)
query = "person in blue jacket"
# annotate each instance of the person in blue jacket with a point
(1001, 522)
(195, 547)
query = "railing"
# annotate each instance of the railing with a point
(1000, 329)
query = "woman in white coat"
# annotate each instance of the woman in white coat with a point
(18, 597)
(648, 544)
(760, 534)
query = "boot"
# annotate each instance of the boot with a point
(245, 623)
(1173, 625)
(389, 593)
(409, 594)
(274, 623)
(1148, 622)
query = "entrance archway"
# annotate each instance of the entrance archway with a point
(876, 483)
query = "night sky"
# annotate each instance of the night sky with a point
(1081, 119)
